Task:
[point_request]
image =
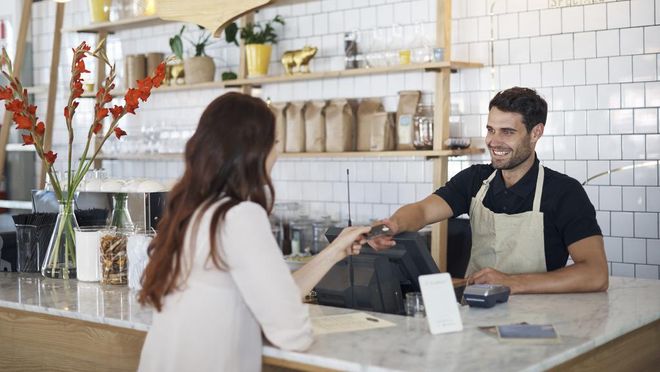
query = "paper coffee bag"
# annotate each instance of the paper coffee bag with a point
(340, 125)
(295, 127)
(279, 110)
(408, 101)
(315, 126)
(383, 133)
(367, 107)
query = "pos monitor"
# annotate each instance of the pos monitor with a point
(381, 278)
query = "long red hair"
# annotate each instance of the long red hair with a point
(225, 159)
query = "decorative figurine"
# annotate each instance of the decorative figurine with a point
(298, 58)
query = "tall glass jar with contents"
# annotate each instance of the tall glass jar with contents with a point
(423, 127)
(114, 255)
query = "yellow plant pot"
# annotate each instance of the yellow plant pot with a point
(258, 57)
(100, 10)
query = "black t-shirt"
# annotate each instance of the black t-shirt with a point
(568, 215)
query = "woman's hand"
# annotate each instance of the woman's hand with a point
(349, 241)
(383, 242)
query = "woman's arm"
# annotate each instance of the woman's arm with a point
(347, 243)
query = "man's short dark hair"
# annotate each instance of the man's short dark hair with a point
(524, 101)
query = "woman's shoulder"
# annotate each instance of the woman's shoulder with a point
(246, 209)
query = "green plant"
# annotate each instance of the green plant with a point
(254, 33)
(202, 42)
(229, 75)
(176, 44)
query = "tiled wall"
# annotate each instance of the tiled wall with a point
(598, 66)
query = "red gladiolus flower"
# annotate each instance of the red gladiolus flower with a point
(144, 86)
(97, 127)
(15, 105)
(50, 157)
(119, 132)
(32, 110)
(6, 93)
(116, 111)
(80, 67)
(66, 112)
(28, 140)
(77, 90)
(131, 98)
(159, 76)
(22, 122)
(101, 113)
(40, 129)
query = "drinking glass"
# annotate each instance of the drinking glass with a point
(415, 305)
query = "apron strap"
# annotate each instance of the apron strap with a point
(539, 189)
(484, 188)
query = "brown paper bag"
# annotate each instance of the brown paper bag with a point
(408, 101)
(383, 131)
(295, 127)
(278, 110)
(315, 126)
(367, 107)
(340, 125)
(134, 69)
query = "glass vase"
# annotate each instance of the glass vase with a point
(121, 218)
(60, 259)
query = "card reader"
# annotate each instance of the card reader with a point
(486, 295)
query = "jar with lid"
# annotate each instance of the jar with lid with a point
(301, 236)
(423, 127)
(319, 241)
(136, 248)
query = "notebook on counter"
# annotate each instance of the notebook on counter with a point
(534, 333)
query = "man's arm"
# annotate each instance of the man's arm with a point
(412, 217)
(588, 274)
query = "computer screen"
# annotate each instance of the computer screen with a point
(381, 278)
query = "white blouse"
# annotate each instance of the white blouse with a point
(214, 322)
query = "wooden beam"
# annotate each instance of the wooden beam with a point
(242, 66)
(26, 14)
(52, 88)
(100, 77)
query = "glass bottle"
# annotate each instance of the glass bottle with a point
(423, 127)
(120, 218)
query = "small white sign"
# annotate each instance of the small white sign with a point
(440, 303)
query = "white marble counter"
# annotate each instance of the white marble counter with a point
(583, 321)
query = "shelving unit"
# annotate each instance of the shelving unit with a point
(442, 70)
(428, 154)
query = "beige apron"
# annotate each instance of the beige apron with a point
(510, 243)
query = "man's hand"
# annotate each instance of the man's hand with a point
(383, 242)
(492, 276)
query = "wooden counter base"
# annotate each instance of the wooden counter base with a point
(40, 342)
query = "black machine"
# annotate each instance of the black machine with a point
(381, 278)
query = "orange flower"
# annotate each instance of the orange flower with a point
(6, 93)
(32, 110)
(116, 111)
(77, 90)
(144, 86)
(119, 132)
(15, 105)
(80, 67)
(22, 122)
(101, 113)
(66, 112)
(97, 127)
(131, 98)
(50, 157)
(159, 76)
(28, 140)
(41, 128)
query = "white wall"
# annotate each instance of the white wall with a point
(597, 65)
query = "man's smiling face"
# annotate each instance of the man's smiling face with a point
(507, 139)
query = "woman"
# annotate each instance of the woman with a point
(216, 276)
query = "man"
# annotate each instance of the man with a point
(526, 219)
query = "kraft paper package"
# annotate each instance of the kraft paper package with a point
(295, 127)
(278, 110)
(367, 107)
(383, 131)
(408, 101)
(340, 125)
(315, 126)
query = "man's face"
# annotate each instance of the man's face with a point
(508, 140)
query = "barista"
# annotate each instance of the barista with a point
(526, 219)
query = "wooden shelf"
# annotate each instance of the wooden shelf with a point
(430, 66)
(352, 154)
(124, 24)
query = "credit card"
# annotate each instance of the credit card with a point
(379, 230)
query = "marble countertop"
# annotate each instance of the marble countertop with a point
(583, 321)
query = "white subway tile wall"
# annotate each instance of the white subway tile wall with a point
(598, 66)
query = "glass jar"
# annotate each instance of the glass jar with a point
(301, 236)
(423, 127)
(88, 253)
(319, 241)
(114, 257)
(138, 257)
(283, 214)
(120, 217)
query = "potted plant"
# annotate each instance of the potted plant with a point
(258, 41)
(175, 68)
(200, 68)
